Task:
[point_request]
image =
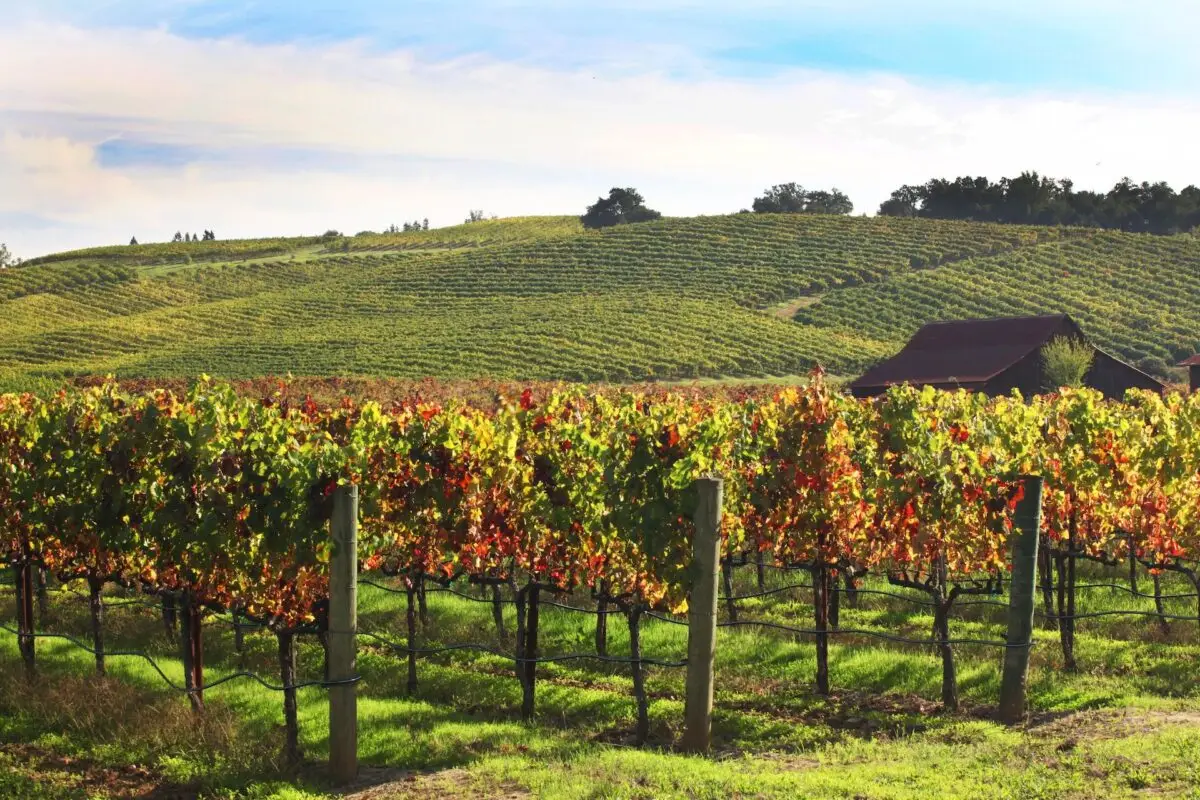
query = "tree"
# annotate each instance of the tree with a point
(622, 206)
(903, 202)
(178, 237)
(1065, 362)
(782, 198)
(831, 202)
(7, 259)
(475, 215)
(425, 224)
(792, 198)
(133, 241)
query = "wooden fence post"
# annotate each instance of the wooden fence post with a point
(1021, 602)
(702, 616)
(343, 627)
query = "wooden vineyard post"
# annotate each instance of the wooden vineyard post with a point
(1021, 602)
(702, 616)
(343, 628)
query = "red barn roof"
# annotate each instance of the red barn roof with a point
(1190, 361)
(968, 351)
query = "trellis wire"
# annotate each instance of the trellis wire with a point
(170, 683)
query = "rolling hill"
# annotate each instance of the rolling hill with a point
(744, 295)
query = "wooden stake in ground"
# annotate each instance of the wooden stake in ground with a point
(1021, 603)
(343, 629)
(702, 616)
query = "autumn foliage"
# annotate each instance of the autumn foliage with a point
(228, 497)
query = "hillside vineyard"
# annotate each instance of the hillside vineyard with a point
(747, 295)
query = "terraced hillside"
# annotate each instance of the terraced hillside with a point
(1134, 294)
(540, 298)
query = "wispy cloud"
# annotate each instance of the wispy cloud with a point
(1064, 43)
(112, 131)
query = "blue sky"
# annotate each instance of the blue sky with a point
(266, 116)
(1065, 44)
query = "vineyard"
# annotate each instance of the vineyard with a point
(748, 296)
(862, 544)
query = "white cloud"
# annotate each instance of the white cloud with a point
(407, 138)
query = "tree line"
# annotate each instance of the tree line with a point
(626, 205)
(1029, 199)
(1034, 199)
(208, 236)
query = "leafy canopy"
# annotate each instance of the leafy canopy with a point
(620, 207)
(792, 198)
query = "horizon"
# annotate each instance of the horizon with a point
(252, 118)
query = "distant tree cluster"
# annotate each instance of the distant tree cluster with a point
(208, 236)
(476, 215)
(415, 225)
(7, 259)
(622, 206)
(1036, 200)
(792, 198)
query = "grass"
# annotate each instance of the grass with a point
(1127, 721)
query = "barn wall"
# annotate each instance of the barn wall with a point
(1025, 375)
(1114, 377)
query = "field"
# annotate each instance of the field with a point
(491, 542)
(1127, 724)
(721, 302)
(741, 296)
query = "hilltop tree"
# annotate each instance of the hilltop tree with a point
(133, 241)
(178, 237)
(7, 259)
(622, 206)
(475, 215)
(792, 198)
(425, 224)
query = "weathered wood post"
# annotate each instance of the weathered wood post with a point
(1028, 523)
(702, 616)
(343, 628)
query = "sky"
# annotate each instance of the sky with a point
(123, 118)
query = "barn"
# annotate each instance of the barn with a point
(1192, 365)
(995, 356)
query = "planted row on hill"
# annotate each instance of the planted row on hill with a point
(1130, 293)
(227, 497)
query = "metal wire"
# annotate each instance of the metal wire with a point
(424, 651)
(171, 683)
(875, 634)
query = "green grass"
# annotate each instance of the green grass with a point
(744, 296)
(1128, 720)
